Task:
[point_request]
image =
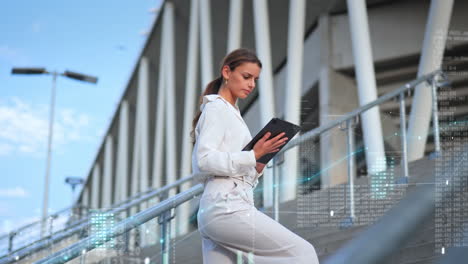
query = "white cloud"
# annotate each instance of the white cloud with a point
(25, 127)
(16, 192)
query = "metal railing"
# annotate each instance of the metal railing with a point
(163, 208)
(134, 221)
(84, 223)
(25, 234)
(401, 222)
(434, 79)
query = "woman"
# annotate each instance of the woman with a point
(231, 227)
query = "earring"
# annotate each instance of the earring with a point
(226, 81)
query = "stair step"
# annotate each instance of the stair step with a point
(429, 260)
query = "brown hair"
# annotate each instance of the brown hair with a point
(234, 59)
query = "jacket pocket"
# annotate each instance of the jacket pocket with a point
(238, 194)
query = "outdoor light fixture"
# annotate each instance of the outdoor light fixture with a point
(73, 182)
(68, 74)
(28, 71)
(80, 77)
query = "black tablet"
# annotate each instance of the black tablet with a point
(275, 127)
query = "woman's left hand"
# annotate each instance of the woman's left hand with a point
(259, 167)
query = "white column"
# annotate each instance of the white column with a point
(235, 25)
(324, 98)
(337, 96)
(96, 191)
(135, 179)
(143, 120)
(365, 75)
(293, 96)
(265, 89)
(206, 43)
(158, 155)
(107, 179)
(85, 197)
(183, 211)
(171, 147)
(121, 185)
(168, 35)
(262, 44)
(140, 146)
(431, 58)
(142, 113)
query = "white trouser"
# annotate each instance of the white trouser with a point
(234, 231)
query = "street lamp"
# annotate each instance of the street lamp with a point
(73, 182)
(76, 211)
(68, 74)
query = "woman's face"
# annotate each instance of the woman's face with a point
(242, 80)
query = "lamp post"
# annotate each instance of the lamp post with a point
(68, 74)
(73, 182)
(76, 212)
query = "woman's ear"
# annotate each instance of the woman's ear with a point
(226, 72)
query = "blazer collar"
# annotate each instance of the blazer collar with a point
(213, 97)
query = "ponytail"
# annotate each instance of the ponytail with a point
(211, 88)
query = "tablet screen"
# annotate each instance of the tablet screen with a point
(275, 127)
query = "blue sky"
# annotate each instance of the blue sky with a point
(100, 38)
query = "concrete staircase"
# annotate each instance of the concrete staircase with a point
(326, 236)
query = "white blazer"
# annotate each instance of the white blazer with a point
(221, 134)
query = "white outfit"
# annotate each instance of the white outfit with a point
(230, 226)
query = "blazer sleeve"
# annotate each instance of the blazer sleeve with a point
(256, 175)
(212, 127)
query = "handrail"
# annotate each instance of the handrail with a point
(353, 114)
(91, 242)
(17, 230)
(84, 223)
(136, 220)
(13, 235)
(348, 118)
(398, 224)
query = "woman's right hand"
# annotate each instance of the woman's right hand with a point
(265, 145)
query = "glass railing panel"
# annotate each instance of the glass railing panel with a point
(335, 202)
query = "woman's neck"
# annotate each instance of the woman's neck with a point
(226, 94)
